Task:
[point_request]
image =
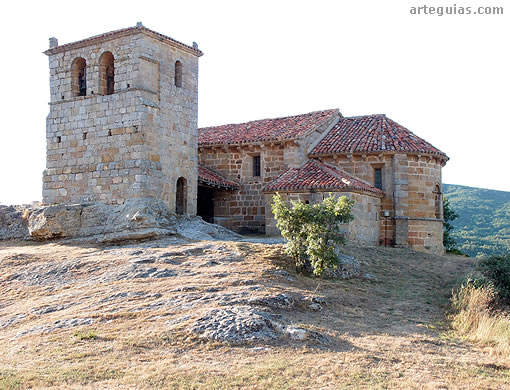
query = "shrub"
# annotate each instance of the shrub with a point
(497, 270)
(90, 335)
(449, 215)
(456, 251)
(312, 231)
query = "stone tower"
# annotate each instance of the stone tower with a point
(123, 120)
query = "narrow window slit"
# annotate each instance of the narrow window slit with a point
(256, 166)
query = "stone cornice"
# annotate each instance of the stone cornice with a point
(326, 189)
(364, 155)
(139, 29)
(260, 144)
(417, 218)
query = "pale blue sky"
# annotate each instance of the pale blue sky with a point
(445, 78)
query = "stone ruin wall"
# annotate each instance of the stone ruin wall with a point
(134, 143)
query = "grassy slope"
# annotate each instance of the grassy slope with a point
(387, 333)
(483, 226)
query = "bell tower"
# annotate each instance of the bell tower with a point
(123, 120)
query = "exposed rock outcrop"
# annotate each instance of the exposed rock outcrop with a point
(242, 324)
(132, 220)
(348, 267)
(14, 222)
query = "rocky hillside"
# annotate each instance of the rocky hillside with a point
(483, 226)
(181, 313)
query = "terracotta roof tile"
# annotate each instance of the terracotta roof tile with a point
(372, 133)
(290, 127)
(315, 175)
(209, 177)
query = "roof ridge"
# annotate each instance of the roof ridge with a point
(375, 133)
(337, 170)
(327, 168)
(363, 116)
(323, 177)
(333, 170)
(270, 119)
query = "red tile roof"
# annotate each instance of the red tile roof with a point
(372, 133)
(290, 127)
(122, 32)
(315, 175)
(211, 178)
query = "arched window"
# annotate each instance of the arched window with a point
(178, 74)
(181, 196)
(106, 74)
(439, 206)
(79, 77)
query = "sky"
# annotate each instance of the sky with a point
(446, 78)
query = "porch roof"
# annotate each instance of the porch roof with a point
(208, 177)
(315, 175)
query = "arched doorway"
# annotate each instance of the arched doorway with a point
(181, 196)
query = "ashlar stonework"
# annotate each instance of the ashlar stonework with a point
(393, 176)
(122, 131)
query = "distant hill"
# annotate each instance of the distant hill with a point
(483, 226)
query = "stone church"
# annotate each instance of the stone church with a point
(123, 125)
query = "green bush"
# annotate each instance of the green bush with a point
(456, 251)
(449, 215)
(312, 231)
(497, 270)
(90, 335)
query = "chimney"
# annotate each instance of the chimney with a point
(53, 42)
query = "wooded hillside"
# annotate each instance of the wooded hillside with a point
(483, 225)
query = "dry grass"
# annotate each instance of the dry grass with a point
(474, 318)
(384, 334)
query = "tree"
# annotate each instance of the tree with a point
(449, 215)
(312, 231)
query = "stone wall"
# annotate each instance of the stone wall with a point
(426, 235)
(364, 228)
(363, 167)
(244, 210)
(424, 174)
(425, 204)
(411, 184)
(134, 143)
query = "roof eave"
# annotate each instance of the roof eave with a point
(255, 143)
(334, 112)
(377, 152)
(326, 189)
(218, 185)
